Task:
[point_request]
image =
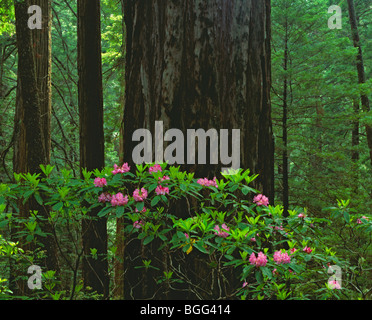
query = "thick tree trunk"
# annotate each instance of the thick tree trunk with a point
(42, 44)
(95, 270)
(28, 99)
(30, 140)
(200, 64)
(360, 68)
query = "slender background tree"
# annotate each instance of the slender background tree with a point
(94, 229)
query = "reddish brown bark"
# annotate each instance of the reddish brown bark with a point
(199, 64)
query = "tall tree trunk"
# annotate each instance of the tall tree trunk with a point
(355, 145)
(95, 270)
(360, 68)
(200, 64)
(284, 126)
(118, 291)
(30, 140)
(42, 44)
(355, 133)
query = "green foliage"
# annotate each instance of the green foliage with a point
(7, 17)
(322, 86)
(244, 229)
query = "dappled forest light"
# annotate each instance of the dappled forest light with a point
(183, 150)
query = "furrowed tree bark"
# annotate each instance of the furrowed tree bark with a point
(32, 117)
(42, 44)
(360, 68)
(199, 64)
(95, 270)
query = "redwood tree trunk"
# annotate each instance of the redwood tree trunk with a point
(42, 44)
(95, 270)
(118, 291)
(31, 119)
(285, 127)
(360, 68)
(200, 64)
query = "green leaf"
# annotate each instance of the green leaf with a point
(200, 246)
(346, 217)
(266, 272)
(119, 211)
(104, 211)
(258, 276)
(139, 206)
(155, 201)
(38, 198)
(27, 194)
(58, 206)
(148, 239)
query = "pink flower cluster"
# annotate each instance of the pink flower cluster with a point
(161, 179)
(259, 261)
(307, 249)
(124, 168)
(161, 190)
(221, 232)
(142, 211)
(140, 195)
(119, 200)
(261, 200)
(333, 284)
(155, 168)
(138, 224)
(360, 221)
(104, 197)
(100, 182)
(281, 257)
(208, 183)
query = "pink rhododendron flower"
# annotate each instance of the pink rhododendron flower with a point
(360, 221)
(119, 200)
(124, 168)
(155, 168)
(137, 224)
(260, 261)
(301, 215)
(333, 284)
(245, 283)
(261, 200)
(142, 211)
(222, 232)
(161, 179)
(208, 183)
(307, 249)
(293, 250)
(100, 182)
(104, 197)
(140, 195)
(281, 257)
(161, 190)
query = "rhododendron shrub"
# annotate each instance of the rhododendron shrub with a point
(231, 242)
